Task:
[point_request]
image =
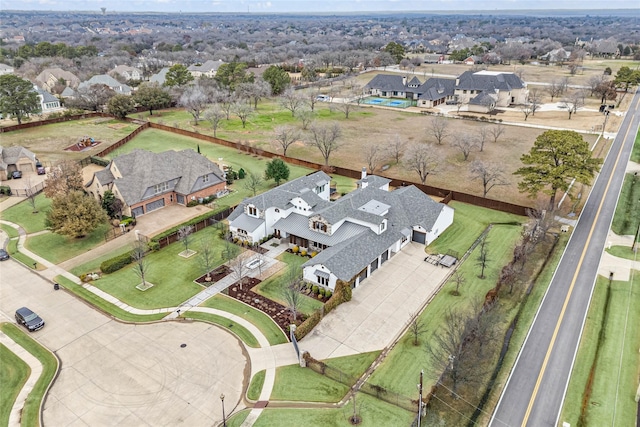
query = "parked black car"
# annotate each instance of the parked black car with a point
(29, 319)
(4, 255)
(16, 174)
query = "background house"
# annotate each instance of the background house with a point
(48, 102)
(16, 158)
(146, 181)
(208, 69)
(105, 79)
(127, 72)
(505, 88)
(49, 78)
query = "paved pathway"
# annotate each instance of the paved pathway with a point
(34, 375)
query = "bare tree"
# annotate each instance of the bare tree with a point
(252, 182)
(345, 106)
(31, 194)
(243, 111)
(373, 155)
(496, 131)
(483, 257)
(526, 109)
(206, 258)
(422, 159)
(572, 102)
(229, 252)
(214, 115)
(184, 235)
(292, 291)
(417, 327)
(490, 174)
(555, 89)
(396, 146)
(140, 262)
(483, 135)
(285, 136)
(465, 143)
(325, 139)
(291, 100)
(459, 280)
(255, 91)
(535, 100)
(438, 126)
(194, 100)
(306, 117)
(239, 268)
(594, 82)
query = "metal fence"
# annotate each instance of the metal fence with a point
(27, 192)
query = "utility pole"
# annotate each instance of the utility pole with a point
(420, 399)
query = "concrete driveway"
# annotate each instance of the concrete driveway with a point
(120, 374)
(379, 309)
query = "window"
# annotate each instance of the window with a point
(253, 211)
(324, 281)
(320, 226)
(205, 178)
(464, 91)
(159, 188)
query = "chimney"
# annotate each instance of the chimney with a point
(404, 80)
(363, 178)
(364, 173)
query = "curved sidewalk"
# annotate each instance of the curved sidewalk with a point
(34, 375)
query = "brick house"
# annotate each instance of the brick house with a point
(146, 181)
(16, 159)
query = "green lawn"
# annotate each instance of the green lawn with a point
(31, 412)
(240, 331)
(401, 369)
(105, 306)
(274, 334)
(57, 248)
(94, 264)
(12, 248)
(635, 153)
(272, 287)
(11, 232)
(13, 374)
(353, 365)
(374, 413)
(468, 223)
(302, 384)
(255, 388)
(618, 359)
(623, 252)
(171, 275)
(238, 418)
(627, 216)
(22, 214)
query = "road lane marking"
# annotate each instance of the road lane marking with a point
(573, 282)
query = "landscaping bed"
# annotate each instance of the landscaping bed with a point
(279, 313)
(215, 275)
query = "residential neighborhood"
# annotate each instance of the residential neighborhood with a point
(331, 217)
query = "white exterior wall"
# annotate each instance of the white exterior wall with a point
(445, 219)
(309, 276)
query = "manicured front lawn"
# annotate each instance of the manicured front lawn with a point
(171, 275)
(401, 369)
(468, 223)
(624, 252)
(274, 334)
(374, 413)
(272, 288)
(617, 369)
(11, 232)
(22, 214)
(57, 248)
(302, 384)
(238, 418)
(105, 306)
(627, 216)
(255, 388)
(94, 264)
(31, 412)
(353, 365)
(240, 331)
(13, 374)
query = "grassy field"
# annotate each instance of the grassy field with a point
(170, 289)
(105, 306)
(618, 365)
(274, 334)
(238, 330)
(401, 369)
(22, 214)
(57, 248)
(30, 415)
(272, 288)
(627, 217)
(374, 413)
(13, 374)
(49, 142)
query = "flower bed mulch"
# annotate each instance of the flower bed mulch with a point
(80, 147)
(215, 275)
(279, 313)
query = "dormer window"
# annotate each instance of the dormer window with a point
(320, 226)
(253, 211)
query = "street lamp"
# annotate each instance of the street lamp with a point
(224, 418)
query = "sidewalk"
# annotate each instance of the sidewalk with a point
(34, 375)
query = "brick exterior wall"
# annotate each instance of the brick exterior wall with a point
(172, 198)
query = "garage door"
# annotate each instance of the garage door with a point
(385, 256)
(419, 237)
(137, 211)
(374, 265)
(154, 205)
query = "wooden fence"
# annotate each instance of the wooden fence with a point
(37, 123)
(205, 222)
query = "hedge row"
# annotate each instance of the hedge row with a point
(5, 189)
(175, 229)
(307, 326)
(341, 294)
(116, 263)
(99, 161)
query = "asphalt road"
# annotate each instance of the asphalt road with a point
(537, 385)
(120, 374)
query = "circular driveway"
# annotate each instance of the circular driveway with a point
(126, 375)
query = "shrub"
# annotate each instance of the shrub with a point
(241, 173)
(5, 189)
(116, 263)
(303, 252)
(314, 289)
(192, 203)
(307, 326)
(328, 293)
(153, 246)
(341, 294)
(314, 253)
(295, 249)
(83, 277)
(321, 292)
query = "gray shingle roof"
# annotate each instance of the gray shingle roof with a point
(141, 169)
(299, 225)
(46, 96)
(387, 83)
(160, 77)
(470, 80)
(11, 155)
(105, 79)
(437, 88)
(374, 181)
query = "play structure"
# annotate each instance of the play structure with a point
(84, 143)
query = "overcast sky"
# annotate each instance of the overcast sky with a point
(302, 6)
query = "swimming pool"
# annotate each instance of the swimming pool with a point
(388, 102)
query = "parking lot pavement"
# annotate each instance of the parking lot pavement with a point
(120, 374)
(379, 309)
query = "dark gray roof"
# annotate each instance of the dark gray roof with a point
(141, 169)
(414, 82)
(248, 223)
(46, 96)
(299, 225)
(437, 88)
(483, 98)
(280, 196)
(374, 181)
(11, 155)
(470, 80)
(160, 77)
(105, 79)
(387, 83)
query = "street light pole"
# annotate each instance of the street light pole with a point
(224, 418)
(420, 400)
